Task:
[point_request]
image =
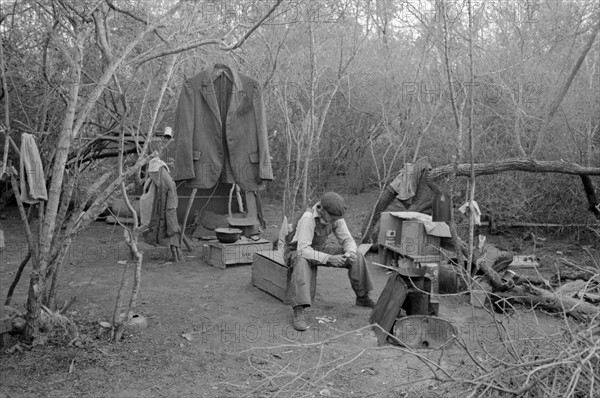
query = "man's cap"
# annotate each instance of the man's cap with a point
(333, 204)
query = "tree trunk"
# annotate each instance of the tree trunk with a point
(33, 307)
(563, 91)
(369, 229)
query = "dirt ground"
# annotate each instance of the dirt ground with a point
(211, 333)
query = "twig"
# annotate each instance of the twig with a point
(253, 28)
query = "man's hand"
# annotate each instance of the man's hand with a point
(337, 260)
(351, 256)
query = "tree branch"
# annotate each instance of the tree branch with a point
(516, 164)
(563, 91)
(252, 29)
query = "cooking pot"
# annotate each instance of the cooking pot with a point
(228, 235)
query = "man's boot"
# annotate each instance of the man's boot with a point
(365, 301)
(299, 322)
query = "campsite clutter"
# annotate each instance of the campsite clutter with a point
(207, 186)
(210, 191)
(419, 252)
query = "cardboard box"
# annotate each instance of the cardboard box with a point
(411, 237)
(270, 275)
(389, 223)
(414, 240)
(221, 255)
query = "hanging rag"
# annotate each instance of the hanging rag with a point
(476, 214)
(33, 182)
(406, 183)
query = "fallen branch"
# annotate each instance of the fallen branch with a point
(536, 296)
(514, 164)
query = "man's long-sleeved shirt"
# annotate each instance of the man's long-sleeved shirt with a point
(311, 234)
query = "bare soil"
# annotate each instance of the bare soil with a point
(211, 333)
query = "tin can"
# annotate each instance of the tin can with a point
(390, 237)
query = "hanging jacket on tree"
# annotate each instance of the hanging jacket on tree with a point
(163, 228)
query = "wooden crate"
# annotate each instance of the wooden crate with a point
(221, 255)
(270, 274)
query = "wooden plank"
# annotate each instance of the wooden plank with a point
(269, 275)
(269, 287)
(274, 273)
(388, 306)
(427, 258)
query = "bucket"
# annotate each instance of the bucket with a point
(441, 208)
(447, 279)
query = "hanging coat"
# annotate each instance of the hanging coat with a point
(163, 228)
(205, 140)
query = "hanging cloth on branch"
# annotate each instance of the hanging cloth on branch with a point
(163, 227)
(33, 182)
(406, 183)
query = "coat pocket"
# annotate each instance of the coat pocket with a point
(254, 157)
(196, 155)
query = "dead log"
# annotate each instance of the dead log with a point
(570, 289)
(590, 297)
(537, 297)
(514, 164)
(575, 273)
(488, 257)
(531, 279)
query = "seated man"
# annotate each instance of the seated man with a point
(308, 248)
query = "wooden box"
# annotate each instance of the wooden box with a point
(270, 274)
(221, 255)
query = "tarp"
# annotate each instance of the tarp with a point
(433, 228)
